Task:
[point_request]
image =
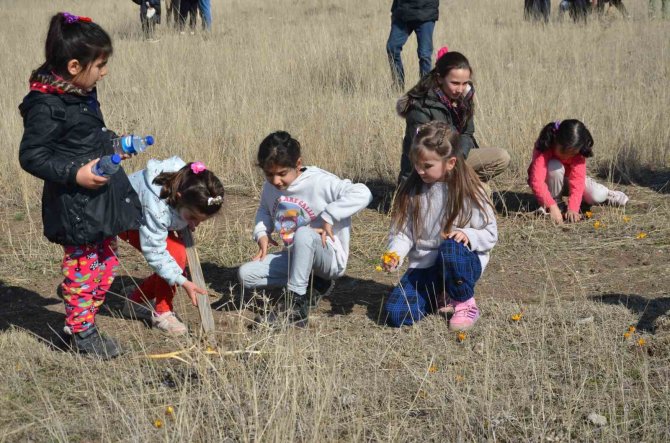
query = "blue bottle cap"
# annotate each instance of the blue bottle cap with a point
(116, 159)
(149, 139)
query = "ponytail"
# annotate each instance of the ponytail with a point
(569, 134)
(73, 37)
(193, 187)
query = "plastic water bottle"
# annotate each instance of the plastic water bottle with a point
(131, 144)
(107, 165)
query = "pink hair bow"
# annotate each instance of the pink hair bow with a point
(443, 50)
(198, 167)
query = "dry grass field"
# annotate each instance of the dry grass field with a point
(555, 343)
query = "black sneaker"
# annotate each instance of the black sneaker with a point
(319, 288)
(293, 312)
(92, 343)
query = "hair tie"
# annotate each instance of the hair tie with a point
(218, 200)
(198, 167)
(71, 18)
(557, 124)
(443, 50)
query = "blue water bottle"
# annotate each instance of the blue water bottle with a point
(107, 165)
(131, 144)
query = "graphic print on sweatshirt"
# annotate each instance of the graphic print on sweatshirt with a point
(291, 213)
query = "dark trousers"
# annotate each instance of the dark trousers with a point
(537, 9)
(188, 9)
(400, 32)
(149, 24)
(454, 274)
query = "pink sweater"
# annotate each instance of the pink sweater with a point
(575, 174)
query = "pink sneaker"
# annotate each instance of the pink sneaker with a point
(465, 316)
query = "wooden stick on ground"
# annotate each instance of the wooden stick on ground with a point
(206, 317)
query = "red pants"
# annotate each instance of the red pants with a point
(154, 287)
(89, 271)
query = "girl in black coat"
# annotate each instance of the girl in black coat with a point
(64, 136)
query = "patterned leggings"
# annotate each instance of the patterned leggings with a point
(89, 271)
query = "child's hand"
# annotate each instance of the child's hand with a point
(87, 179)
(555, 213)
(390, 261)
(459, 237)
(326, 231)
(193, 290)
(263, 244)
(572, 216)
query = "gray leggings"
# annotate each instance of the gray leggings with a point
(291, 268)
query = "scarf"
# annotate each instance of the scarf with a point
(50, 83)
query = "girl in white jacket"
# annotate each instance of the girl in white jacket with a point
(443, 222)
(174, 195)
(310, 210)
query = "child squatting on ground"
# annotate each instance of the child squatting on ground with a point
(558, 168)
(174, 195)
(310, 209)
(443, 222)
(64, 136)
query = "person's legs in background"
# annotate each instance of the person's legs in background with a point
(397, 39)
(205, 7)
(424, 39)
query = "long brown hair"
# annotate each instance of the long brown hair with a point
(430, 81)
(464, 189)
(201, 191)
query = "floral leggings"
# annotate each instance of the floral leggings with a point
(89, 271)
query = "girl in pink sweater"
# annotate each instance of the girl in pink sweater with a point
(558, 168)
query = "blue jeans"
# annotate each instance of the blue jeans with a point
(400, 32)
(454, 273)
(206, 13)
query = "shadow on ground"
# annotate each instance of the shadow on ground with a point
(628, 171)
(26, 309)
(510, 202)
(348, 293)
(649, 308)
(382, 195)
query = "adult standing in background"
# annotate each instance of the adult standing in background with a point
(150, 16)
(407, 16)
(536, 9)
(206, 13)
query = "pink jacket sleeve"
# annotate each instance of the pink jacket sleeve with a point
(537, 176)
(576, 182)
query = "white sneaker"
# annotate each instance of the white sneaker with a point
(168, 322)
(136, 310)
(616, 198)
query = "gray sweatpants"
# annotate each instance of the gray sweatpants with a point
(292, 267)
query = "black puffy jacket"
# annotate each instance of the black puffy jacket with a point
(415, 10)
(61, 134)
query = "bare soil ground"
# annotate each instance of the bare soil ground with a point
(605, 278)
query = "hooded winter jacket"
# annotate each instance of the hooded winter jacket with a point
(63, 132)
(417, 110)
(415, 10)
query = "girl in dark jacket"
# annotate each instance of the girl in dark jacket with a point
(64, 136)
(446, 94)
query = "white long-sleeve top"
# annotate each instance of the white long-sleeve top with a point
(159, 219)
(422, 251)
(314, 196)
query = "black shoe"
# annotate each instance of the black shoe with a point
(293, 312)
(319, 288)
(92, 343)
